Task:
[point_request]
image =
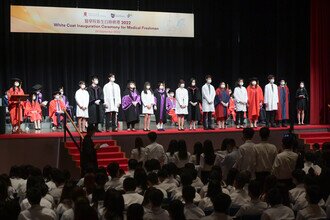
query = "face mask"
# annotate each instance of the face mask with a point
(34, 97)
(112, 79)
(132, 86)
(241, 83)
(57, 97)
(222, 86)
(209, 81)
(96, 81)
(182, 85)
(272, 81)
(302, 85)
(16, 84)
(253, 83)
(161, 87)
(147, 87)
(171, 95)
(282, 83)
(61, 92)
(193, 83)
(83, 86)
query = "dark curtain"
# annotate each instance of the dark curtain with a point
(320, 61)
(236, 38)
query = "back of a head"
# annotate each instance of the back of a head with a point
(58, 176)
(221, 203)
(188, 194)
(274, 197)
(198, 148)
(46, 172)
(101, 178)
(287, 141)
(313, 194)
(139, 143)
(152, 136)
(114, 203)
(208, 151)
(83, 210)
(156, 197)
(132, 164)
(172, 146)
(113, 169)
(264, 133)
(309, 157)
(15, 172)
(186, 178)
(255, 189)
(152, 178)
(34, 196)
(241, 179)
(298, 175)
(214, 188)
(176, 210)
(182, 147)
(135, 212)
(248, 133)
(129, 184)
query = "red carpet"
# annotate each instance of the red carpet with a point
(140, 132)
(315, 137)
(105, 156)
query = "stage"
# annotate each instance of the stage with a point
(44, 148)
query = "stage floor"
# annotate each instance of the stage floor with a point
(60, 134)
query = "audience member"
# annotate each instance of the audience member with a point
(138, 152)
(154, 150)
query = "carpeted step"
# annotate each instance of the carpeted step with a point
(74, 150)
(102, 155)
(316, 140)
(314, 135)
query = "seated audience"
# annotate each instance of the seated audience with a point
(176, 210)
(154, 150)
(195, 157)
(221, 204)
(239, 196)
(191, 211)
(115, 182)
(156, 212)
(114, 206)
(135, 212)
(172, 148)
(138, 152)
(230, 158)
(207, 160)
(309, 166)
(130, 196)
(182, 156)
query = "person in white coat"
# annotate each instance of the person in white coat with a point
(82, 100)
(208, 95)
(181, 108)
(241, 99)
(112, 101)
(271, 101)
(148, 102)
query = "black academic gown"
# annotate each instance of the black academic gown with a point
(158, 100)
(302, 102)
(88, 157)
(194, 95)
(95, 112)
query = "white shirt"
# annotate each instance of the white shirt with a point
(247, 157)
(131, 198)
(115, 183)
(82, 100)
(56, 193)
(37, 212)
(284, 164)
(43, 203)
(311, 212)
(156, 213)
(265, 156)
(135, 154)
(168, 186)
(316, 168)
(278, 212)
(181, 95)
(147, 99)
(217, 216)
(169, 158)
(155, 151)
(254, 207)
(297, 192)
(271, 97)
(68, 215)
(177, 194)
(112, 97)
(205, 204)
(15, 182)
(61, 208)
(192, 212)
(181, 163)
(241, 98)
(239, 197)
(208, 94)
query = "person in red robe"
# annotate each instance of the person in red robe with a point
(170, 107)
(255, 101)
(283, 103)
(33, 111)
(56, 110)
(231, 107)
(15, 110)
(221, 103)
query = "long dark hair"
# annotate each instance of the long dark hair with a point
(182, 147)
(83, 211)
(66, 196)
(114, 205)
(138, 144)
(140, 177)
(145, 88)
(198, 150)
(208, 151)
(172, 147)
(176, 210)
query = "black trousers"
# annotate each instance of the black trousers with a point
(239, 118)
(207, 119)
(270, 117)
(110, 120)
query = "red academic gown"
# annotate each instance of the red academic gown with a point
(53, 110)
(33, 110)
(280, 115)
(221, 112)
(171, 109)
(231, 108)
(255, 97)
(15, 111)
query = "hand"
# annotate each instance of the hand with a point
(134, 103)
(105, 105)
(260, 104)
(155, 107)
(118, 105)
(211, 102)
(148, 106)
(195, 103)
(97, 102)
(44, 103)
(97, 146)
(181, 106)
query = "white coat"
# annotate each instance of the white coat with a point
(208, 96)
(181, 96)
(82, 100)
(271, 97)
(241, 98)
(147, 99)
(112, 97)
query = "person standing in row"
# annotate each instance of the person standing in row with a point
(241, 99)
(33, 111)
(82, 100)
(181, 109)
(271, 101)
(255, 101)
(112, 101)
(302, 98)
(194, 95)
(96, 101)
(160, 106)
(283, 104)
(15, 110)
(148, 102)
(131, 102)
(208, 94)
(221, 105)
(65, 100)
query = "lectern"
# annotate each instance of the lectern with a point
(18, 99)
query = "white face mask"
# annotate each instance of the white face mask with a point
(209, 81)
(132, 86)
(57, 97)
(16, 84)
(61, 92)
(253, 83)
(302, 85)
(83, 86)
(282, 83)
(95, 81)
(161, 87)
(272, 81)
(148, 87)
(182, 85)
(171, 95)
(222, 86)
(112, 79)
(193, 83)
(241, 83)
(34, 97)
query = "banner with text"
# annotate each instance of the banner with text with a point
(31, 19)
